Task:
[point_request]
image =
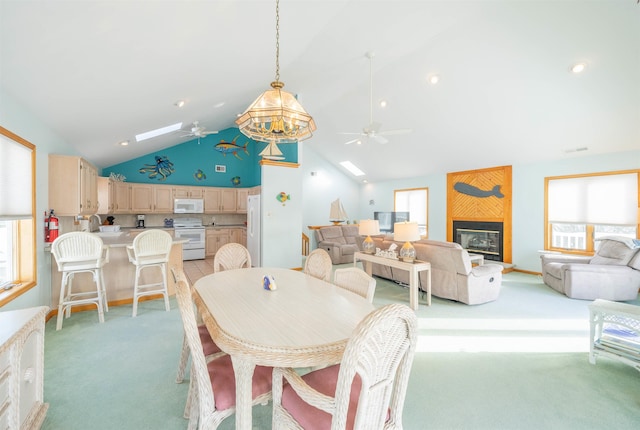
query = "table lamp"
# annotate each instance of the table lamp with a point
(368, 227)
(406, 232)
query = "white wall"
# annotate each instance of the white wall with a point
(25, 124)
(528, 199)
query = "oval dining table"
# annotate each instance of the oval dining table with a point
(303, 322)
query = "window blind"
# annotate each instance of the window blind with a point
(606, 199)
(16, 176)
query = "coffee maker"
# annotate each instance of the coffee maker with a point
(140, 222)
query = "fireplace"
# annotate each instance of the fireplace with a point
(479, 237)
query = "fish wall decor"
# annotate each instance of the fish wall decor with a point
(231, 147)
(163, 168)
(473, 191)
(199, 175)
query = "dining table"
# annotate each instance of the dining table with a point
(302, 322)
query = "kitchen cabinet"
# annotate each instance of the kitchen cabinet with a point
(241, 200)
(105, 195)
(73, 188)
(214, 239)
(219, 200)
(22, 368)
(141, 198)
(121, 198)
(163, 199)
(236, 236)
(188, 192)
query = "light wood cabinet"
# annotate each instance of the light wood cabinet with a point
(73, 188)
(241, 200)
(121, 198)
(188, 192)
(105, 195)
(22, 368)
(163, 199)
(212, 200)
(141, 198)
(214, 239)
(238, 235)
(220, 200)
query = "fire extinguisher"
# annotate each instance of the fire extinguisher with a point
(53, 226)
(46, 227)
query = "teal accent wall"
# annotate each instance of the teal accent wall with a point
(189, 157)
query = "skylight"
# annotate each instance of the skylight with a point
(351, 168)
(158, 132)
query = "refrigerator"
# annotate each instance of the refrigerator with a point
(254, 228)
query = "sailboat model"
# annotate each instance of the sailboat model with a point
(272, 152)
(337, 214)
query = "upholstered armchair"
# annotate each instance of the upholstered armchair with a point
(340, 241)
(613, 273)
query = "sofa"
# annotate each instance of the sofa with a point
(340, 241)
(613, 273)
(453, 276)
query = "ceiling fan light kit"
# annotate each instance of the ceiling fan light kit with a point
(276, 116)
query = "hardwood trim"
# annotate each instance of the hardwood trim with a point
(279, 163)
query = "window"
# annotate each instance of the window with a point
(415, 201)
(17, 209)
(580, 209)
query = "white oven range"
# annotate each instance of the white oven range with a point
(192, 230)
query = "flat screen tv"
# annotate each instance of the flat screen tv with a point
(387, 219)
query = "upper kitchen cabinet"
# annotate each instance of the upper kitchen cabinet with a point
(163, 199)
(241, 200)
(121, 198)
(73, 185)
(188, 192)
(220, 200)
(105, 195)
(142, 198)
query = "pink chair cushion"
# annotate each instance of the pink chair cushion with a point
(208, 345)
(223, 382)
(323, 381)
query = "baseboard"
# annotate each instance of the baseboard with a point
(114, 303)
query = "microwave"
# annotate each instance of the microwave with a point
(188, 206)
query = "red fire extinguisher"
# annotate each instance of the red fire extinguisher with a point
(46, 227)
(53, 226)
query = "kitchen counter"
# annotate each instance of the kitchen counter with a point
(119, 273)
(209, 226)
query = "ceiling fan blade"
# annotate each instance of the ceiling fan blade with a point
(396, 131)
(380, 139)
(351, 141)
(209, 132)
(346, 132)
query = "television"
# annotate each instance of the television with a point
(388, 219)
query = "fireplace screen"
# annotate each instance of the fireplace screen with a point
(480, 238)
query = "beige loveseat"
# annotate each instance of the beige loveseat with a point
(612, 274)
(452, 275)
(340, 241)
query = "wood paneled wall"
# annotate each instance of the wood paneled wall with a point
(464, 207)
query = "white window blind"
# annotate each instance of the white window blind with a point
(607, 199)
(16, 161)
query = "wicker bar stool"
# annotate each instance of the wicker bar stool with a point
(79, 252)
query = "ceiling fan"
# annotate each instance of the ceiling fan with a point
(372, 131)
(198, 131)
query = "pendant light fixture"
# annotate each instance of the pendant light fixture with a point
(276, 116)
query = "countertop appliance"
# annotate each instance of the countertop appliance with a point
(188, 206)
(140, 221)
(254, 230)
(192, 230)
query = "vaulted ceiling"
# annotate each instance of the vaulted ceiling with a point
(99, 72)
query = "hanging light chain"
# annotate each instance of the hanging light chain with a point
(277, 40)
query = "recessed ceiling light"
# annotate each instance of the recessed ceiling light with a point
(158, 132)
(578, 68)
(179, 103)
(218, 105)
(358, 142)
(383, 103)
(433, 79)
(351, 168)
(123, 143)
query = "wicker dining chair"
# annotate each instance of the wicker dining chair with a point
(318, 264)
(212, 395)
(366, 391)
(231, 256)
(355, 280)
(78, 252)
(150, 249)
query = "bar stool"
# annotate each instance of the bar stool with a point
(78, 252)
(150, 249)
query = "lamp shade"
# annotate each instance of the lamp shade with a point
(406, 231)
(367, 227)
